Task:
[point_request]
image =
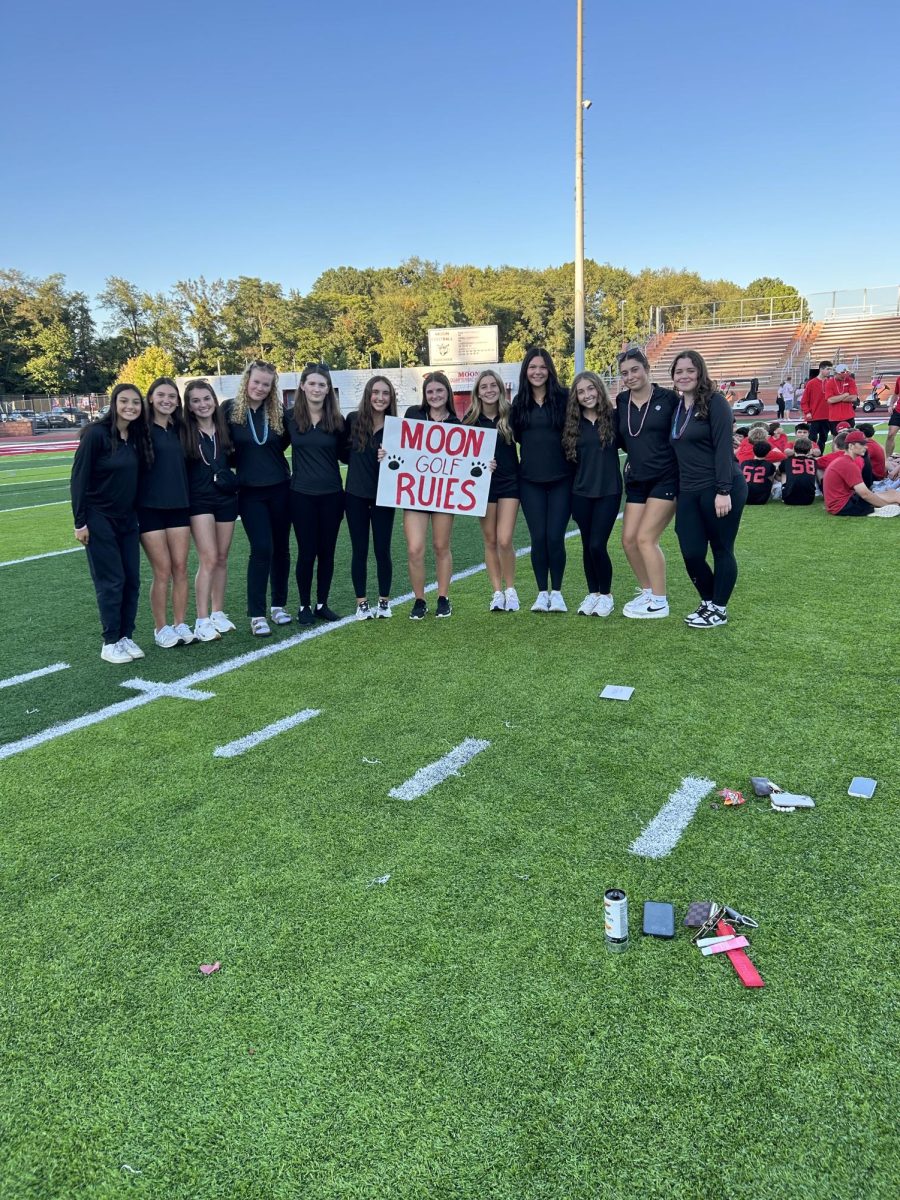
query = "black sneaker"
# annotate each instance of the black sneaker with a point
(443, 607)
(305, 616)
(698, 614)
(419, 611)
(712, 616)
(324, 613)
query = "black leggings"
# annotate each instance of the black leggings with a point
(114, 559)
(265, 515)
(699, 529)
(547, 507)
(595, 517)
(316, 521)
(360, 515)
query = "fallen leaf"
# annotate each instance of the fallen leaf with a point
(208, 968)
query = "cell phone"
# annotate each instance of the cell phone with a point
(861, 787)
(659, 919)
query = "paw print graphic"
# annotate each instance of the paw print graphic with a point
(478, 468)
(394, 462)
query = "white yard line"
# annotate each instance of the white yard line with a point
(663, 833)
(427, 778)
(14, 562)
(14, 679)
(27, 483)
(26, 507)
(242, 745)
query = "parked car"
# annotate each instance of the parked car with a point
(78, 415)
(53, 420)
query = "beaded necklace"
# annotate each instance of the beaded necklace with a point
(637, 432)
(677, 433)
(215, 448)
(265, 436)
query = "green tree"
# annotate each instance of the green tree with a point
(50, 364)
(143, 368)
(127, 306)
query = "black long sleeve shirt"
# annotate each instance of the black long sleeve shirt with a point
(201, 474)
(257, 466)
(644, 434)
(104, 475)
(543, 460)
(507, 472)
(704, 449)
(315, 458)
(165, 484)
(597, 473)
(362, 465)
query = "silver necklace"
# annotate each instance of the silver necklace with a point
(632, 432)
(265, 436)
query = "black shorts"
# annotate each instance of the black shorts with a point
(153, 519)
(856, 507)
(639, 491)
(894, 418)
(504, 488)
(223, 512)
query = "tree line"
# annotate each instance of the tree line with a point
(52, 340)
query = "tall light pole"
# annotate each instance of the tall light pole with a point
(579, 188)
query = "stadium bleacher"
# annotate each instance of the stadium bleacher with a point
(868, 345)
(732, 352)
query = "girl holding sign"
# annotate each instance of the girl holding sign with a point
(545, 483)
(590, 439)
(490, 410)
(317, 434)
(365, 430)
(437, 405)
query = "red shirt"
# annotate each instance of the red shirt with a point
(824, 461)
(876, 458)
(780, 442)
(841, 479)
(775, 455)
(813, 401)
(836, 387)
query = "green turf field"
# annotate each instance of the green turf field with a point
(460, 1029)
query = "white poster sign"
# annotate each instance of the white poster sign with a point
(434, 466)
(458, 346)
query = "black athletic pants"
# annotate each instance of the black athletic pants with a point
(266, 516)
(547, 507)
(699, 529)
(818, 432)
(316, 521)
(113, 554)
(595, 517)
(361, 514)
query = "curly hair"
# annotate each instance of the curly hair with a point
(475, 411)
(190, 429)
(705, 386)
(273, 406)
(332, 421)
(364, 425)
(606, 415)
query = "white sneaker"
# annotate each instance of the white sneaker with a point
(205, 631)
(184, 633)
(512, 600)
(280, 615)
(363, 612)
(603, 607)
(557, 604)
(131, 648)
(166, 637)
(383, 609)
(588, 604)
(115, 652)
(643, 595)
(542, 604)
(650, 610)
(222, 623)
(259, 627)
(498, 602)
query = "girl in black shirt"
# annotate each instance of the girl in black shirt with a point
(712, 490)
(545, 476)
(365, 431)
(164, 515)
(213, 503)
(590, 440)
(110, 456)
(316, 430)
(259, 438)
(437, 405)
(490, 409)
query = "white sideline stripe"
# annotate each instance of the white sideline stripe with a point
(14, 562)
(26, 507)
(27, 483)
(14, 679)
(663, 834)
(242, 745)
(429, 777)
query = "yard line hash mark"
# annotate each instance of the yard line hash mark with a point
(242, 745)
(429, 777)
(14, 562)
(14, 679)
(663, 833)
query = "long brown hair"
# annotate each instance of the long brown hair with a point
(138, 430)
(475, 412)
(190, 429)
(706, 389)
(364, 425)
(272, 404)
(441, 378)
(605, 424)
(332, 421)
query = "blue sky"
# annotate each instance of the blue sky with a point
(278, 139)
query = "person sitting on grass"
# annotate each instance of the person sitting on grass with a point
(799, 473)
(845, 493)
(892, 476)
(777, 437)
(759, 474)
(801, 429)
(875, 451)
(758, 431)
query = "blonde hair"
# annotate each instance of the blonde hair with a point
(475, 411)
(273, 406)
